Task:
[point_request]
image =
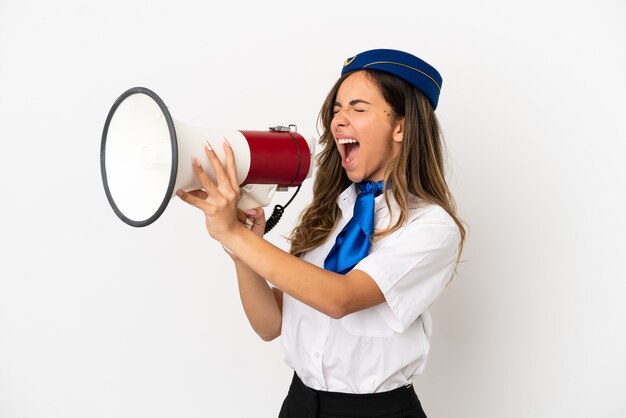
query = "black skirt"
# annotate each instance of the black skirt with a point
(304, 402)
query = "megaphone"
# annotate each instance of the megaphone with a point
(145, 156)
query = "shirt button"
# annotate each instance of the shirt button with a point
(317, 355)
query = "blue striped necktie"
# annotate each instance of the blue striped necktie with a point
(353, 242)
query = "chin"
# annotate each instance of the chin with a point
(354, 177)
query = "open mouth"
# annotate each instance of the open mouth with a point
(349, 148)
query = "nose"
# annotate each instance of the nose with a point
(340, 119)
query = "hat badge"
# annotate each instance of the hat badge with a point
(349, 61)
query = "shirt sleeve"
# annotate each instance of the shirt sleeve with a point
(412, 267)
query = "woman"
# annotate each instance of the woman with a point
(372, 252)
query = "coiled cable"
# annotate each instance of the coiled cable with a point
(277, 213)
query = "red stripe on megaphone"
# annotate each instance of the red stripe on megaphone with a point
(281, 158)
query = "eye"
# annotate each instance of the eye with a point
(359, 110)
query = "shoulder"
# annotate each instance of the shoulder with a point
(422, 212)
(425, 220)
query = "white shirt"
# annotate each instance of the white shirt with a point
(383, 347)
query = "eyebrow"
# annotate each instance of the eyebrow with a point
(352, 103)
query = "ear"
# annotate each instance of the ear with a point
(398, 130)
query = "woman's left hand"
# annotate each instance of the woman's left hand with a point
(219, 201)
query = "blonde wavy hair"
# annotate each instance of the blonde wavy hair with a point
(418, 169)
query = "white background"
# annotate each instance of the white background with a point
(98, 319)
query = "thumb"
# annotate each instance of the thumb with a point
(257, 215)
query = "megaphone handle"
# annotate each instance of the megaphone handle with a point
(255, 196)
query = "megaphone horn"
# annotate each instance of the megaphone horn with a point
(145, 156)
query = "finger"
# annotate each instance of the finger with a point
(231, 168)
(257, 218)
(245, 219)
(218, 168)
(241, 216)
(257, 215)
(191, 199)
(200, 194)
(203, 176)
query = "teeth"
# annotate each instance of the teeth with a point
(347, 141)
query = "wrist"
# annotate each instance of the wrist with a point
(230, 238)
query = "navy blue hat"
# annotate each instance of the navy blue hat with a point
(401, 64)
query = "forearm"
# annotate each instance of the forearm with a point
(259, 302)
(323, 290)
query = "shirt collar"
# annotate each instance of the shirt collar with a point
(348, 197)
